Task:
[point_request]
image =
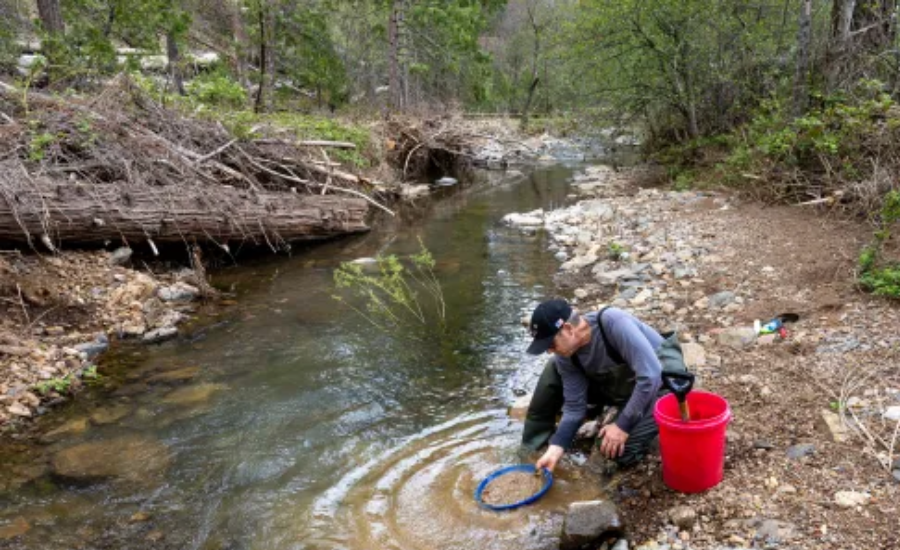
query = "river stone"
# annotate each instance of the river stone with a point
(179, 292)
(130, 458)
(834, 426)
(192, 395)
(15, 528)
(415, 191)
(71, 428)
(94, 348)
(587, 522)
(110, 415)
(721, 299)
(737, 337)
(19, 409)
(175, 376)
(772, 531)
(120, 256)
(801, 450)
(138, 289)
(851, 499)
(610, 278)
(683, 517)
(694, 355)
(519, 408)
(532, 219)
(642, 297)
(628, 294)
(160, 335)
(892, 413)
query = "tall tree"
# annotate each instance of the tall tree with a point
(804, 43)
(396, 55)
(265, 21)
(51, 16)
(53, 43)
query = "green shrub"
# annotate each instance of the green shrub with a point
(881, 280)
(217, 89)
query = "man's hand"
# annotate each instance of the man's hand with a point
(613, 444)
(550, 458)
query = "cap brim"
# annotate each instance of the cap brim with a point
(539, 346)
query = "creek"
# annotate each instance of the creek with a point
(298, 425)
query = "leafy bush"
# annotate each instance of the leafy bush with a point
(833, 138)
(217, 89)
(881, 280)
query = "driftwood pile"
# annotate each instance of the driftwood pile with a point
(120, 168)
(420, 150)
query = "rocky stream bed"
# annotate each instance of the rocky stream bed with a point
(812, 457)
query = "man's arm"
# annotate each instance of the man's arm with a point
(575, 391)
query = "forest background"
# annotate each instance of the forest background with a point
(790, 101)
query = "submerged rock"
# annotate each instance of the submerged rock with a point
(71, 428)
(110, 415)
(175, 376)
(15, 528)
(129, 458)
(193, 395)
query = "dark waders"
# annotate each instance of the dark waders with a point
(613, 390)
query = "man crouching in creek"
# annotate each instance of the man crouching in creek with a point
(606, 358)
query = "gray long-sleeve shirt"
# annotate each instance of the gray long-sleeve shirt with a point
(637, 343)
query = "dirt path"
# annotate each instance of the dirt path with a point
(708, 265)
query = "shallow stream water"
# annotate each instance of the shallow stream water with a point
(300, 426)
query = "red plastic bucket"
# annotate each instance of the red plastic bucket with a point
(693, 453)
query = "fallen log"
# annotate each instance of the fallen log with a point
(44, 210)
(334, 144)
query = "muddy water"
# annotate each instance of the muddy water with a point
(292, 423)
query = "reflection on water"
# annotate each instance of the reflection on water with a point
(295, 424)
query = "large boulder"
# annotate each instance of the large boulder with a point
(128, 458)
(589, 522)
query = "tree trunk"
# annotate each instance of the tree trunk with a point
(394, 55)
(838, 46)
(53, 46)
(239, 38)
(804, 41)
(92, 214)
(174, 61)
(523, 122)
(51, 16)
(266, 24)
(535, 57)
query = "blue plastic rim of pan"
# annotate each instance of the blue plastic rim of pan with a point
(529, 468)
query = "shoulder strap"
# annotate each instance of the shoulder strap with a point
(610, 349)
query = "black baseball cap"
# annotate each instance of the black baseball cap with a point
(547, 319)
